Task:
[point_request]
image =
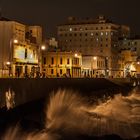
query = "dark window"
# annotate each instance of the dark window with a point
(51, 71)
(68, 61)
(61, 71)
(44, 60)
(25, 53)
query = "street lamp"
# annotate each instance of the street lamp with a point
(9, 67)
(10, 62)
(41, 48)
(95, 58)
(76, 55)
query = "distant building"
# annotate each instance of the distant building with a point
(93, 37)
(61, 64)
(130, 51)
(129, 63)
(94, 66)
(18, 48)
(132, 44)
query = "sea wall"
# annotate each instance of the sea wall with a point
(21, 91)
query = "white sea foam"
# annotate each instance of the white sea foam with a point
(67, 114)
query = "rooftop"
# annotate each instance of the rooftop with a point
(99, 20)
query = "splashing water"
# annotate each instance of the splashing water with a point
(68, 114)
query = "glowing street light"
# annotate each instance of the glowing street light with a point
(95, 58)
(8, 63)
(75, 54)
(43, 47)
(15, 41)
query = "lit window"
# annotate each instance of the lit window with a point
(102, 33)
(92, 34)
(106, 33)
(70, 29)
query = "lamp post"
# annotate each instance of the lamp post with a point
(10, 62)
(41, 48)
(9, 67)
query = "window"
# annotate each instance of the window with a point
(44, 60)
(135, 43)
(52, 71)
(68, 61)
(52, 60)
(70, 29)
(61, 61)
(25, 53)
(61, 71)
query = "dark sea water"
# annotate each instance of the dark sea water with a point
(70, 115)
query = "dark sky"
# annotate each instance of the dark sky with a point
(49, 13)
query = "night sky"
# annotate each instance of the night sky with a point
(49, 13)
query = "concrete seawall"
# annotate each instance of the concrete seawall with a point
(22, 91)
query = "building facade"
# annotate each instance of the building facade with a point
(61, 64)
(93, 37)
(18, 50)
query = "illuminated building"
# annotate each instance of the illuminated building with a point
(18, 48)
(61, 64)
(130, 48)
(93, 37)
(94, 66)
(129, 62)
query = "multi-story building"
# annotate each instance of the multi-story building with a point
(61, 64)
(93, 37)
(130, 52)
(18, 52)
(129, 62)
(132, 44)
(94, 66)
